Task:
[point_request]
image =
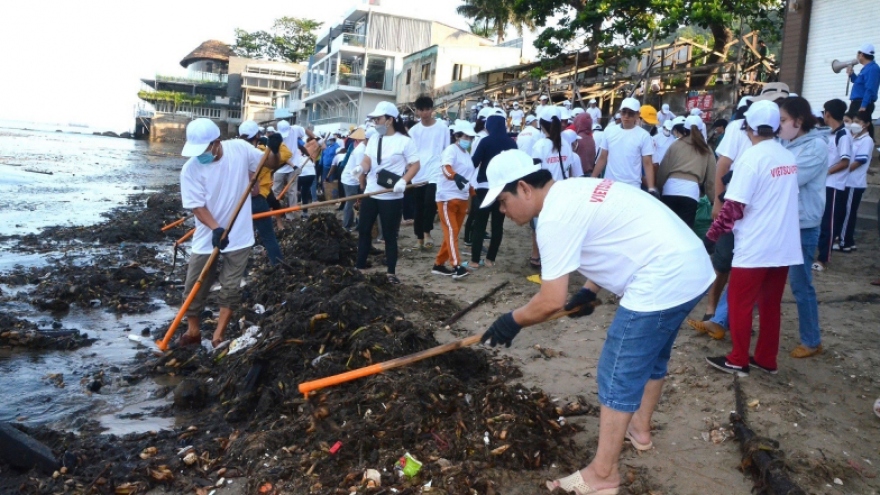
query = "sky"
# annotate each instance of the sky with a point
(81, 61)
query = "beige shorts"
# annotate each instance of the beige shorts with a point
(232, 266)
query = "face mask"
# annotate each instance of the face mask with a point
(666, 132)
(382, 129)
(206, 157)
(855, 129)
(465, 144)
(787, 130)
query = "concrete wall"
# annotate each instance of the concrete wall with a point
(166, 128)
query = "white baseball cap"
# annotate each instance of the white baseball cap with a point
(763, 113)
(498, 111)
(577, 111)
(566, 104)
(548, 112)
(678, 121)
(384, 108)
(617, 116)
(669, 123)
(248, 129)
(696, 111)
(464, 127)
(597, 126)
(284, 128)
(570, 136)
(593, 100)
(485, 112)
(199, 134)
(693, 121)
(485, 102)
(665, 107)
(543, 97)
(262, 129)
(505, 168)
(564, 113)
(515, 105)
(867, 49)
(270, 129)
(744, 101)
(631, 103)
(530, 118)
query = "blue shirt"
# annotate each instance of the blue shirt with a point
(866, 84)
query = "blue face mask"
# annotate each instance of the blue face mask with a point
(465, 144)
(206, 158)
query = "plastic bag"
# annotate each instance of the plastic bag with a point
(704, 217)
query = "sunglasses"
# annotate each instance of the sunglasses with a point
(629, 113)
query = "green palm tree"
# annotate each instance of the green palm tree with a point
(496, 15)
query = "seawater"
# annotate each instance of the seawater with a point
(90, 175)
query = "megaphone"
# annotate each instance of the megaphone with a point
(838, 66)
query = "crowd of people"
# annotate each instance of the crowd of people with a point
(779, 185)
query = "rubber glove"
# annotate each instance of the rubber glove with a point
(400, 186)
(502, 331)
(216, 238)
(583, 298)
(460, 181)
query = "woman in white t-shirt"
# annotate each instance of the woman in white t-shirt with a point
(761, 209)
(393, 155)
(306, 179)
(453, 195)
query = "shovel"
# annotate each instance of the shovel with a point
(306, 387)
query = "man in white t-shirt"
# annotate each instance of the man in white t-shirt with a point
(288, 172)
(608, 232)
(431, 137)
(212, 183)
(839, 158)
(516, 117)
(664, 114)
(625, 155)
(594, 111)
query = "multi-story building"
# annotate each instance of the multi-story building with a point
(357, 60)
(216, 85)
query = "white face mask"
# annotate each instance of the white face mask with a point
(666, 132)
(855, 129)
(787, 130)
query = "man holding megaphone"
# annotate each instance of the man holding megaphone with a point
(865, 84)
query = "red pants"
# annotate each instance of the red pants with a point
(748, 286)
(452, 215)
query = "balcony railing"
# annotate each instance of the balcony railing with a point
(355, 80)
(206, 78)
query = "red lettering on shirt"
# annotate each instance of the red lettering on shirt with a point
(783, 170)
(601, 191)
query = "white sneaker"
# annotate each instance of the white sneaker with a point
(835, 247)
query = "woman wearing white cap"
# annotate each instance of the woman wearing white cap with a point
(761, 209)
(453, 193)
(391, 156)
(664, 114)
(687, 171)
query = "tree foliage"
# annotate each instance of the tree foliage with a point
(494, 17)
(291, 39)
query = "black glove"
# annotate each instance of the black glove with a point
(215, 239)
(274, 143)
(709, 244)
(583, 298)
(460, 181)
(502, 331)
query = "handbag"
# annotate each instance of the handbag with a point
(384, 178)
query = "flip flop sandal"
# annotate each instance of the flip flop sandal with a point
(638, 445)
(575, 483)
(186, 340)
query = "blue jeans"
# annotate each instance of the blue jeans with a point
(637, 349)
(800, 277)
(721, 311)
(348, 220)
(266, 230)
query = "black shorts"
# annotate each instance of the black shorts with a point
(722, 258)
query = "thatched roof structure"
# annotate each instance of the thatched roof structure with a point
(209, 50)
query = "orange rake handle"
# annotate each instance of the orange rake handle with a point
(184, 238)
(306, 387)
(174, 224)
(163, 344)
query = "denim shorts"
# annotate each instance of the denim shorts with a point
(636, 350)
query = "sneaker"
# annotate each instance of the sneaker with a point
(765, 369)
(392, 279)
(487, 236)
(460, 272)
(710, 328)
(720, 363)
(802, 351)
(818, 266)
(467, 242)
(835, 247)
(847, 249)
(442, 270)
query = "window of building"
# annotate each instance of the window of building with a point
(426, 71)
(408, 76)
(463, 71)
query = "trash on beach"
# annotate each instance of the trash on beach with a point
(247, 339)
(408, 465)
